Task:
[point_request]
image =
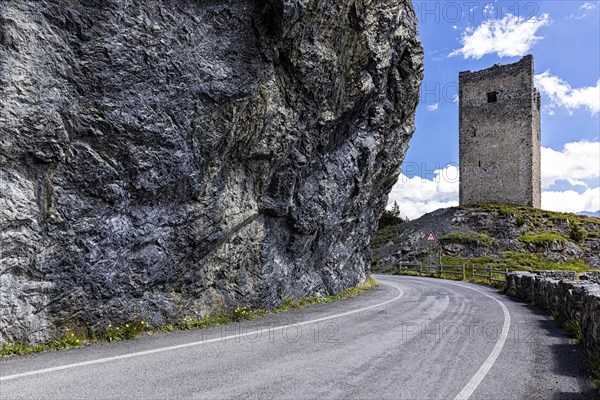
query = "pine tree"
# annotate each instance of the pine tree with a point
(395, 210)
(390, 217)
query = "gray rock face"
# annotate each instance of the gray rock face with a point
(161, 159)
(495, 232)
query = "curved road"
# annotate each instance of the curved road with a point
(412, 338)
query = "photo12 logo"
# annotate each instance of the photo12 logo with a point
(454, 332)
(453, 12)
(318, 332)
(449, 172)
(435, 93)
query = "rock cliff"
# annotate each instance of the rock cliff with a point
(502, 235)
(163, 158)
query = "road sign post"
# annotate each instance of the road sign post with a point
(431, 239)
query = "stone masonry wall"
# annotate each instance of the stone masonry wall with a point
(500, 135)
(570, 300)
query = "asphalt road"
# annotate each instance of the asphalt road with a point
(412, 338)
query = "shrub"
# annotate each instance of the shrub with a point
(384, 235)
(576, 234)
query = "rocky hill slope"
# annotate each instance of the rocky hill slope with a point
(165, 159)
(501, 235)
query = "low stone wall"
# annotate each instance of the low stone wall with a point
(593, 276)
(566, 298)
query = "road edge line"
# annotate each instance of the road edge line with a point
(481, 373)
(197, 343)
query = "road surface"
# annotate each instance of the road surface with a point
(411, 338)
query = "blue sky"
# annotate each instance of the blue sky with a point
(564, 37)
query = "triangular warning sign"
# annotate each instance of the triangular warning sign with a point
(430, 237)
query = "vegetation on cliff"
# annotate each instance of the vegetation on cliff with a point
(501, 236)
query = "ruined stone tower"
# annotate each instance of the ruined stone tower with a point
(500, 135)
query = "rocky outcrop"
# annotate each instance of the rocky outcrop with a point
(568, 300)
(160, 159)
(499, 233)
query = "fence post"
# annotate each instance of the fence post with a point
(464, 277)
(441, 270)
(506, 275)
(420, 269)
(491, 276)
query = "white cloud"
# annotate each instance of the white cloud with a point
(507, 37)
(491, 11)
(417, 196)
(571, 201)
(584, 11)
(588, 6)
(433, 107)
(563, 95)
(576, 162)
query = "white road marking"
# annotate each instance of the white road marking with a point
(489, 362)
(198, 343)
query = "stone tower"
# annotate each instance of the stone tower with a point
(499, 135)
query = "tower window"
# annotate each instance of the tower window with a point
(492, 97)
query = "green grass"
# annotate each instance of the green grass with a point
(544, 227)
(534, 216)
(454, 276)
(541, 238)
(476, 261)
(510, 261)
(520, 220)
(239, 314)
(594, 365)
(21, 349)
(289, 303)
(461, 237)
(128, 331)
(132, 330)
(67, 340)
(524, 213)
(573, 329)
(517, 262)
(543, 219)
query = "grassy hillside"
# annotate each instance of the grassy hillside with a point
(504, 236)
